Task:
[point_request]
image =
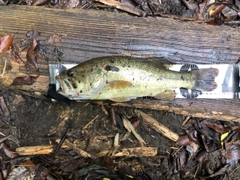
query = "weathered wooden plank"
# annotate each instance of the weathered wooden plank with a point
(89, 34)
(226, 110)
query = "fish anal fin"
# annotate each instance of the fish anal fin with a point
(166, 95)
(119, 84)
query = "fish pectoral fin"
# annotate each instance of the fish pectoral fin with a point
(166, 95)
(92, 90)
(120, 99)
(119, 84)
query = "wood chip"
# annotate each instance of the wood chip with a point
(33, 150)
(127, 124)
(154, 124)
(118, 5)
(138, 151)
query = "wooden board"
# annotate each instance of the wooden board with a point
(226, 110)
(86, 34)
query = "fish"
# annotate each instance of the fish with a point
(124, 78)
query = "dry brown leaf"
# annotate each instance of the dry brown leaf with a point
(232, 152)
(9, 152)
(217, 127)
(39, 2)
(183, 141)
(135, 121)
(108, 162)
(15, 54)
(24, 80)
(32, 55)
(5, 43)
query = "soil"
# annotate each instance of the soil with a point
(40, 122)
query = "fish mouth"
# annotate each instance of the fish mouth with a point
(65, 85)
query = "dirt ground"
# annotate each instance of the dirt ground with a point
(35, 122)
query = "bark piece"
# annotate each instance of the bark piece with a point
(154, 124)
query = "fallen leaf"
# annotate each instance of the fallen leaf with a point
(15, 54)
(5, 138)
(39, 2)
(144, 5)
(221, 171)
(135, 121)
(183, 141)
(32, 55)
(217, 127)
(9, 152)
(129, 3)
(202, 7)
(41, 172)
(24, 80)
(223, 137)
(192, 5)
(232, 152)
(108, 162)
(229, 13)
(214, 10)
(5, 43)
(193, 136)
(181, 160)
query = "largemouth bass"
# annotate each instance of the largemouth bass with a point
(124, 78)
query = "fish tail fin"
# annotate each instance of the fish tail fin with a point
(206, 79)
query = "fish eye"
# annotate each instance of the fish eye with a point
(70, 73)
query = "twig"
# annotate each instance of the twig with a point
(3, 107)
(138, 152)
(56, 149)
(85, 127)
(78, 150)
(154, 124)
(173, 154)
(234, 170)
(186, 120)
(130, 128)
(5, 138)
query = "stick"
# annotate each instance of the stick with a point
(154, 124)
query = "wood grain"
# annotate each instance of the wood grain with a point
(86, 34)
(226, 110)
